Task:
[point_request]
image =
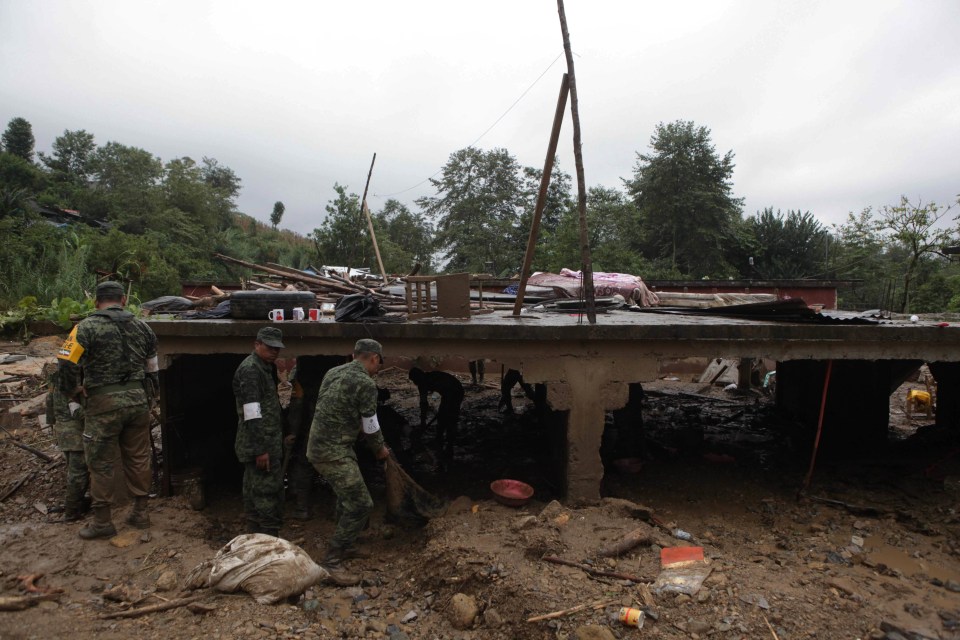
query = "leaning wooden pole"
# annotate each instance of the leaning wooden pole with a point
(542, 195)
(366, 211)
(587, 263)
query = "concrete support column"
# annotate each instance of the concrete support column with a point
(947, 375)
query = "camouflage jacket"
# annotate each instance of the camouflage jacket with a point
(111, 347)
(255, 383)
(347, 394)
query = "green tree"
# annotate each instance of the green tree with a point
(914, 228)
(126, 185)
(477, 210)
(785, 246)
(404, 238)
(683, 193)
(226, 186)
(612, 220)
(71, 157)
(342, 238)
(277, 215)
(18, 139)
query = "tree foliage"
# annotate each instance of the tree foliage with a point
(683, 193)
(790, 246)
(342, 238)
(405, 238)
(18, 139)
(476, 210)
(277, 214)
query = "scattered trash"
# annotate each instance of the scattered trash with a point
(680, 534)
(268, 568)
(631, 617)
(683, 570)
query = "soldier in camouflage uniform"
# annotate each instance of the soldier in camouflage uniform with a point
(346, 406)
(116, 355)
(259, 443)
(67, 420)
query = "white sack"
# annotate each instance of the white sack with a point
(269, 569)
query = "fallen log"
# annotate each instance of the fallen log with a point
(596, 572)
(641, 535)
(154, 608)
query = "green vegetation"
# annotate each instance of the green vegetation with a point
(155, 223)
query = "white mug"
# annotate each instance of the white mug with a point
(298, 313)
(276, 315)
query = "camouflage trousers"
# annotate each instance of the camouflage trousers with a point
(263, 494)
(116, 431)
(354, 503)
(301, 474)
(69, 438)
(78, 479)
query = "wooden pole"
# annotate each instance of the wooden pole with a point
(366, 211)
(542, 195)
(587, 263)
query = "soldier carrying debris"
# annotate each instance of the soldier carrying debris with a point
(346, 405)
(116, 354)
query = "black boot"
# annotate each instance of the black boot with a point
(101, 527)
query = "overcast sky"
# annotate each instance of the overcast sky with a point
(828, 106)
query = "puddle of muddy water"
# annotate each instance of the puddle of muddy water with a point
(880, 553)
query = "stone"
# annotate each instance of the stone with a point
(167, 581)
(551, 511)
(461, 504)
(843, 585)
(463, 611)
(409, 617)
(125, 539)
(492, 618)
(525, 522)
(594, 632)
(377, 626)
(699, 627)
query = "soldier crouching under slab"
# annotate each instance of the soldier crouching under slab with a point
(451, 397)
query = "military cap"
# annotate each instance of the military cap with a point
(271, 336)
(110, 289)
(366, 345)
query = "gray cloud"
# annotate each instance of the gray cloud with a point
(828, 107)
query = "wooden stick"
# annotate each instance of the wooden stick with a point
(19, 603)
(595, 572)
(587, 269)
(775, 636)
(26, 447)
(163, 606)
(565, 612)
(366, 211)
(541, 196)
(642, 535)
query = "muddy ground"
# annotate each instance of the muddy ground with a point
(882, 561)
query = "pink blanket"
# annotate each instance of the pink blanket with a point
(567, 283)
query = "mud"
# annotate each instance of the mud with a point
(872, 543)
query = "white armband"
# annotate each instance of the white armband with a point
(371, 424)
(152, 365)
(251, 411)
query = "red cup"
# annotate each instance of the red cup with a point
(313, 314)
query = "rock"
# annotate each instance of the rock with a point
(492, 618)
(125, 539)
(461, 504)
(48, 604)
(594, 632)
(167, 581)
(699, 627)
(525, 522)
(377, 626)
(409, 617)
(551, 511)
(463, 611)
(843, 585)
